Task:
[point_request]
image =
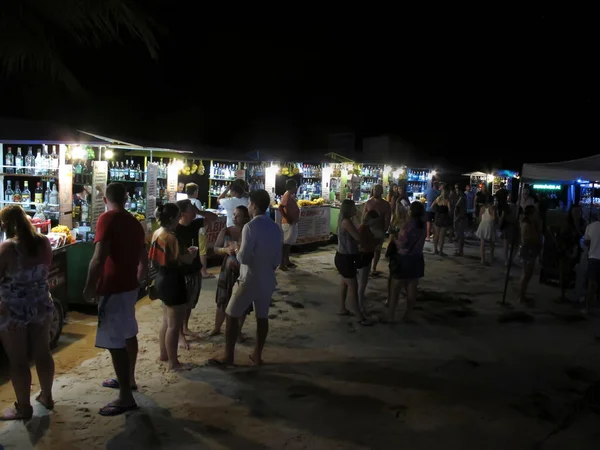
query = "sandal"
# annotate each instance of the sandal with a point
(346, 313)
(112, 409)
(183, 367)
(113, 383)
(17, 413)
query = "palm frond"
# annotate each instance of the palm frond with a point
(29, 30)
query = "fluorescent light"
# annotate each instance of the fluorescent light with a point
(547, 187)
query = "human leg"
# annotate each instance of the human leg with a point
(394, 295)
(411, 298)
(122, 366)
(174, 321)
(131, 345)
(442, 238)
(436, 238)
(343, 296)
(428, 230)
(162, 333)
(363, 279)
(219, 319)
(39, 337)
(528, 268)
(376, 258)
(14, 343)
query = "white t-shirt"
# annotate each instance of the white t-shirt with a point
(229, 205)
(592, 234)
(196, 203)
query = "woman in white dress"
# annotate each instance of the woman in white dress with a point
(486, 232)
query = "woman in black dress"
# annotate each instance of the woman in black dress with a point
(169, 259)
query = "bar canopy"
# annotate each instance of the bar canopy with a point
(566, 171)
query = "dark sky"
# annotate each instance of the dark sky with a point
(472, 86)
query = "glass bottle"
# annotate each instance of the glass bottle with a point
(17, 194)
(39, 163)
(39, 193)
(8, 194)
(46, 163)
(9, 160)
(19, 161)
(30, 162)
(54, 197)
(26, 195)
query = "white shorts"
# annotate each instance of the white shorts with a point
(244, 295)
(116, 319)
(290, 233)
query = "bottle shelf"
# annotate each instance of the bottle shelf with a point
(51, 205)
(25, 175)
(124, 181)
(222, 179)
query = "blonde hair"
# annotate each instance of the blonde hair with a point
(16, 224)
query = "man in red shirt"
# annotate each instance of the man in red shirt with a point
(290, 214)
(119, 264)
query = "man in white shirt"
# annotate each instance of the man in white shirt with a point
(592, 241)
(259, 256)
(230, 203)
(192, 190)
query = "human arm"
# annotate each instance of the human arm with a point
(245, 254)
(283, 208)
(219, 247)
(350, 228)
(143, 265)
(101, 251)
(224, 194)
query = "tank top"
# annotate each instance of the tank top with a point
(347, 245)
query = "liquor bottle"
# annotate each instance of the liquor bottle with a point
(133, 176)
(122, 172)
(53, 199)
(17, 194)
(126, 174)
(8, 194)
(26, 195)
(19, 161)
(39, 193)
(39, 163)
(141, 205)
(139, 175)
(78, 173)
(133, 204)
(45, 161)
(9, 160)
(54, 161)
(84, 211)
(47, 193)
(30, 162)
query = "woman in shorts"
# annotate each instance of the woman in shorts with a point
(227, 244)
(346, 260)
(407, 265)
(169, 258)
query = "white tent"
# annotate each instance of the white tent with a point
(566, 171)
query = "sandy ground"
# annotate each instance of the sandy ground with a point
(458, 379)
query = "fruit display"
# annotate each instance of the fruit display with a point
(190, 169)
(138, 216)
(316, 202)
(59, 236)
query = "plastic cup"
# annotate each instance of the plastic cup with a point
(193, 250)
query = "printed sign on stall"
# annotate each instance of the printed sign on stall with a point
(65, 195)
(172, 176)
(151, 180)
(313, 225)
(213, 230)
(99, 180)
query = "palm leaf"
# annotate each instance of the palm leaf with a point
(30, 29)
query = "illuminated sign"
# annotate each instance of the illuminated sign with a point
(547, 187)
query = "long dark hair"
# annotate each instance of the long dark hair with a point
(166, 214)
(417, 213)
(16, 224)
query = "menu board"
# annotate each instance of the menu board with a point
(172, 176)
(99, 180)
(151, 189)
(65, 195)
(313, 225)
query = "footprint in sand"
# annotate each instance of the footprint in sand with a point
(295, 305)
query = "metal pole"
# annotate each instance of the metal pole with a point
(512, 245)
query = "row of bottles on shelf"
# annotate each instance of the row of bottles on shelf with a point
(311, 171)
(256, 170)
(255, 185)
(307, 191)
(415, 187)
(128, 171)
(367, 186)
(162, 169)
(43, 164)
(418, 175)
(371, 171)
(223, 171)
(216, 188)
(49, 197)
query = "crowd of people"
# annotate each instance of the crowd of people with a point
(253, 247)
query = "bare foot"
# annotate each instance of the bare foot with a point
(162, 359)
(184, 344)
(47, 402)
(181, 367)
(214, 333)
(253, 360)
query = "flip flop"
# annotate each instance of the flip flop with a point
(210, 275)
(112, 410)
(17, 413)
(185, 367)
(346, 314)
(254, 363)
(213, 362)
(48, 406)
(113, 383)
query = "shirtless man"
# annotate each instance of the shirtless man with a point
(384, 210)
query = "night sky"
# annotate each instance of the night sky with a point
(472, 86)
